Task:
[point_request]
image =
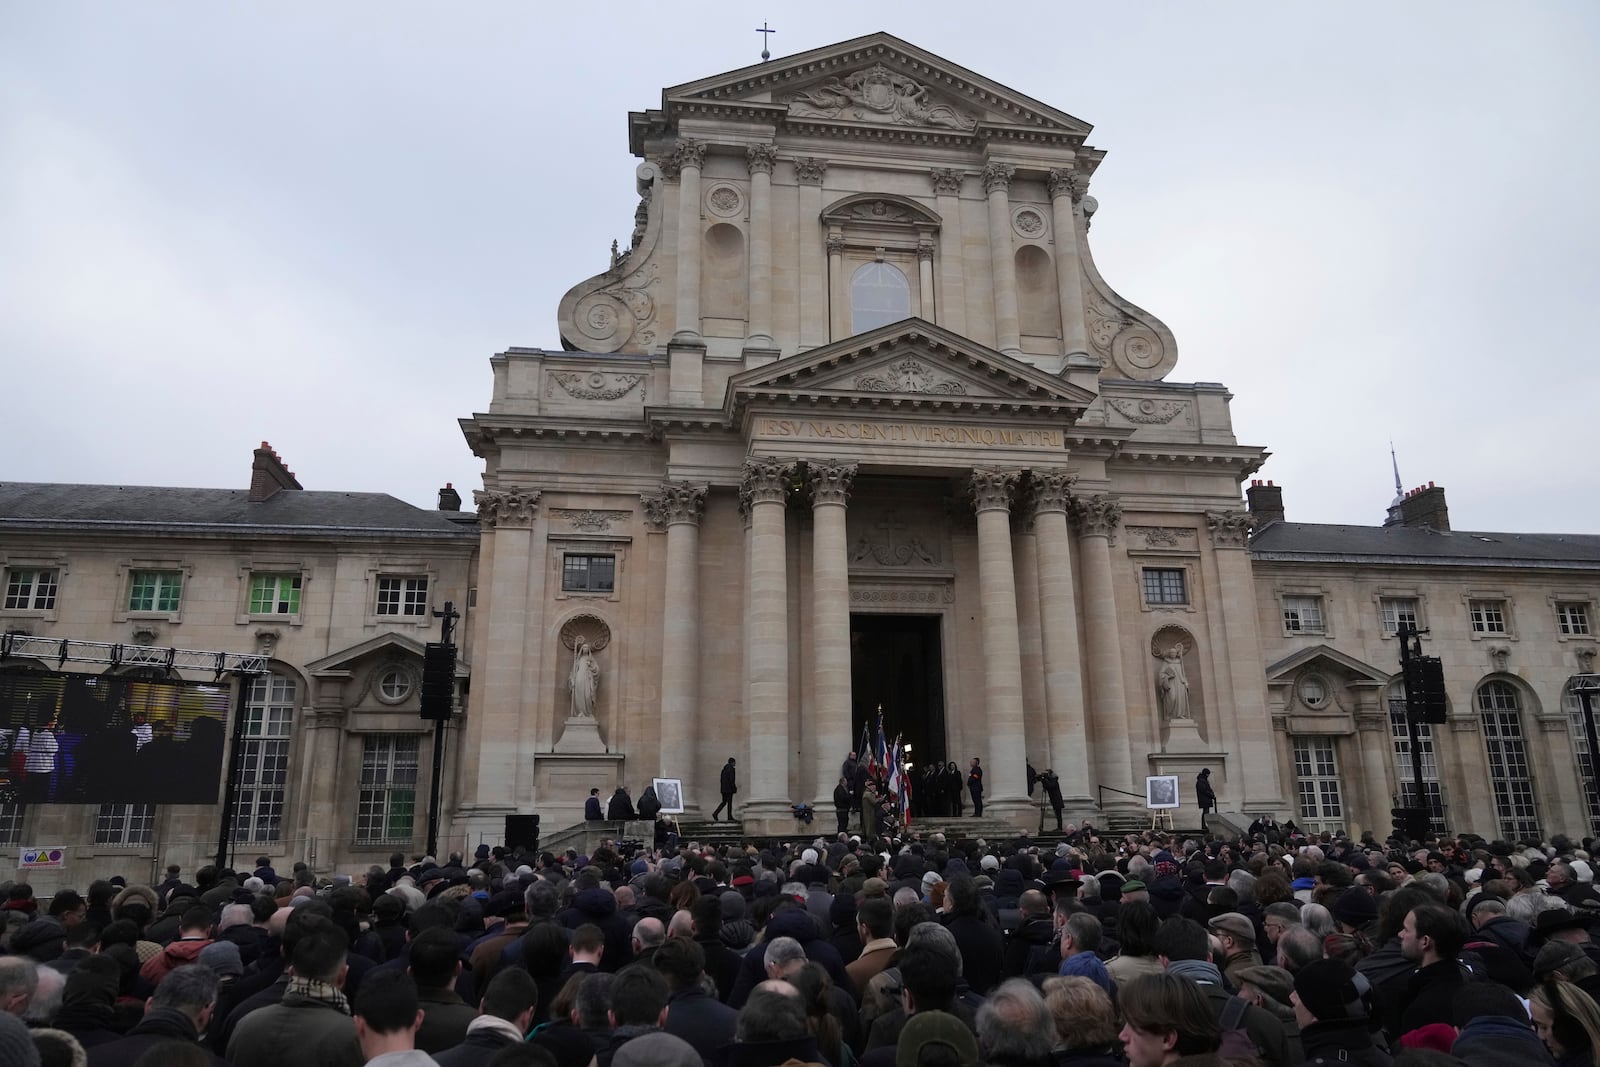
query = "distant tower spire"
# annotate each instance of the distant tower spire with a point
(765, 37)
(1399, 493)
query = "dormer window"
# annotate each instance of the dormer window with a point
(879, 295)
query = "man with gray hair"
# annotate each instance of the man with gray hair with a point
(19, 977)
(1015, 1026)
(930, 980)
(179, 1011)
(783, 957)
(46, 999)
(648, 934)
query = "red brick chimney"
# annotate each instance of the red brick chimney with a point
(1424, 506)
(449, 499)
(268, 474)
(1265, 502)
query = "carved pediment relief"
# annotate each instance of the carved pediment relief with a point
(877, 94)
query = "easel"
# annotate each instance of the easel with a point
(1161, 819)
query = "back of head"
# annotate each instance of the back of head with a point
(1168, 1003)
(1183, 939)
(681, 962)
(771, 1016)
(188, 989)
(435, 958)
(387, 1002)
(594, 1000)
(1015, 1025)
(1477, 999)
(930, 966)
(1082, 1010)
(510, 993)
(638, 996)
(319, 949)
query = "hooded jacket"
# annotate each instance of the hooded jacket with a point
(174, 955)
(598, 906)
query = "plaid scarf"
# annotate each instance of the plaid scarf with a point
(321, 992)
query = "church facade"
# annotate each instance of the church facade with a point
(855, 423)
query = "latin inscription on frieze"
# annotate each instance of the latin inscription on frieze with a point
(909, 433)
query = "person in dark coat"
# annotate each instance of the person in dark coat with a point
(621, 807)
(728, 786)
(649, 805)
(842, 802)
(952, 790)
(591, 807)
(1036, 930)
(975, 787)
(977, 935)
(796, 922)
(503, 1017)
(692, 1013)
(1332, 1013)
(177, 1012)
(1052, 791)
(1432, 938)
(1205, 796)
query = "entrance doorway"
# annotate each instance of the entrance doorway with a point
(897, 663)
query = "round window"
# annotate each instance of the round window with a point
(1313, 692)
(394, 685)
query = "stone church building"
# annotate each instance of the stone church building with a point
(852, 426)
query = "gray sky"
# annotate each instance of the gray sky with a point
(314, 223)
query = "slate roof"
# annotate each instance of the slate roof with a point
(157, 510)
(1326, 543)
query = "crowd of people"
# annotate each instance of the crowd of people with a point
(1145, 950)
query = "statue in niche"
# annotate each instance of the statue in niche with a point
(584, 680)
(1172, 684)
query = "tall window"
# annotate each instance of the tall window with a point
(124, 825)
(404, 596)
(10, 824)
(1580, 748)
(275, 594)
(154, 590)
(264, 759)
(1318, 776)
(1488, 616)
(387, 808)
(1573, 618)
(1509, 774)
(1432, 793)
(1398, 611)
(879, 295)
(588, 574)
(31, 588)
(1164, 585)
(1303, 615)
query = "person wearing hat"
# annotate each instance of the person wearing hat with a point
(1330, 1004)
(1236, 939)
(1354, 910)
(1268, 988)
(935, 1030)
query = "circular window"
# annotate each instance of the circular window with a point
(394, 685)
(1313, 692)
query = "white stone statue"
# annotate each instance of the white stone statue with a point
(1172, 684)
(584, 680)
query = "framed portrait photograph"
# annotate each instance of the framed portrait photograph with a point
(670, 792)
(1160, 791)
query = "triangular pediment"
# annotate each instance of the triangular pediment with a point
(909, 365)
(383, 644)
(876, 80)
(1329, 657)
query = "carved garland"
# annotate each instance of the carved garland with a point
(908, 376)
(1147, 411)
(594, 386)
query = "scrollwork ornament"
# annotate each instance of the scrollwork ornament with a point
(830, 482)
(682, 502)
(992, 489)
(506, 507)
(809, 170)
(946, 181)
(767, 479)
(1229, 529)
(1065, 183)
(997, 177)
(761, 158)
(1052, 491)
(1096, 516)
(689, 153)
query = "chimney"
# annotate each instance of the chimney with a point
(268, 474)
(1265, 501)
(449, 499)
(1424, 506)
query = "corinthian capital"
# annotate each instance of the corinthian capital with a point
(997, 177)
(1096, 516)
(830, 482)
(674, 502)
(992, 489)
(835, 244)
(761, 157)
(689, 153)
(1066, 183)
(808, 170)
(506, 507)
(1229, 529)
(1052, 490)
(946, 181)
(766, 480)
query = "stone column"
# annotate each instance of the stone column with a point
(1007, 326)
(1004, 788)
(925, 296)
(678, 506)
(838, 290)
(952, 306)
(1377, 755)
(688, 156)
(766, 779)
(761, 158)
(1066, 189)
(814, 320)
(1097, 518)
(830, 622)
(1058, 620)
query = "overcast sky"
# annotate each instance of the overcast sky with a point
(314, 223)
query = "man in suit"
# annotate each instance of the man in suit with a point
(975, 786)
(730, 786)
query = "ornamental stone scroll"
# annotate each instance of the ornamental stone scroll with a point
(674, 502)
(997, 177)
(830, 482)
(992, 489)
(766, 480)
(506, 507)
(761, 157)
(1052, 490)
(1096, 516)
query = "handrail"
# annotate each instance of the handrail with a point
(1100, 799)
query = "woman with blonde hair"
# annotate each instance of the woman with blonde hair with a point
(1568, 1021)
(1086, 1023)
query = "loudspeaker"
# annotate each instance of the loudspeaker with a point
(522, 831)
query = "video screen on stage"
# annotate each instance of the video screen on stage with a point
(104, 739)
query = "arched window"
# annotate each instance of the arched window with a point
(1400, 732)
(1580, 748)
(879, 295)
(1516, 811)
(264, 759)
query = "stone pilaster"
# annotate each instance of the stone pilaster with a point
(925, 294)
(1058, 620)
(830, 621)
(678, 506)
(992, 491)
(688, 156)
(1007, 324)
(760, 158)
(766, 776)
(1097, 519)
(1377, 755)
(1066, 190)
(808, 174)
(838, 289)
(952, 302)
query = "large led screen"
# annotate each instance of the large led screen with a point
(105, 739)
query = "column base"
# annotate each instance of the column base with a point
(1018, 811)
(1078, 809)
(775, 818)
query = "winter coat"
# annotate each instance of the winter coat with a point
(598, 906)
(299, 1030)
(982, 949)
(159, 1025)
(1036, 932)
(1498, 1041)
(1340, 1042)
(798, 924)
(174, 955)
(621, 808)
(1204, 794)
(730, 782)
